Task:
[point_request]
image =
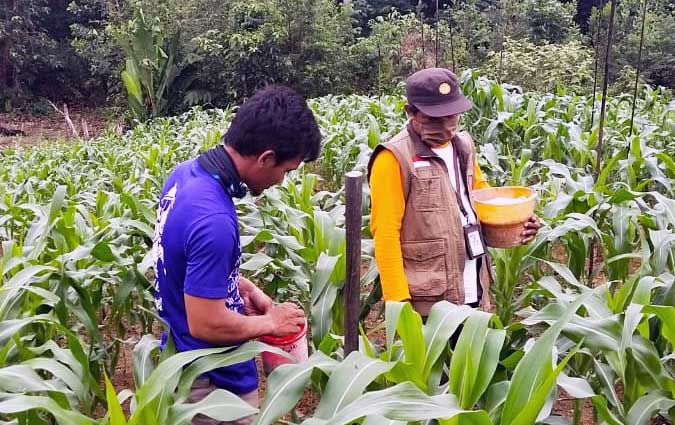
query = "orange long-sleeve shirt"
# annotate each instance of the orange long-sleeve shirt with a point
(386, 216)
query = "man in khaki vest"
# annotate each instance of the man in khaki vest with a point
(428, 244)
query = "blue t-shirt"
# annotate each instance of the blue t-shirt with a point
(197, 252)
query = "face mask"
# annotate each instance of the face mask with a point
(440, 132)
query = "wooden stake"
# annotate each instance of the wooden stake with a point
(352, 288)
(70, 127)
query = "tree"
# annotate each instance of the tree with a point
(658, 54)
(263, 42)
(548, 20)
(23, 45)
(584, 12)
(36, 55)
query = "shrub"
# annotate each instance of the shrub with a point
(543, 67)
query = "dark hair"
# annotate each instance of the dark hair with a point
(276, 118)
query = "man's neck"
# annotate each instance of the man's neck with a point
(241, 163)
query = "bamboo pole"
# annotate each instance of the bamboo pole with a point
(639, 67)
(605, 84)
(596, 61)
(603, 110)
(436, 50)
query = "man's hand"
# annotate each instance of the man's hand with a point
(256, 302)
(532, 226)
(288, 319)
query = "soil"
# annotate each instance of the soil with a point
(564, 406)
(37, 129)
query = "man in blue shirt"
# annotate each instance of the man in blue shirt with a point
(198, 289)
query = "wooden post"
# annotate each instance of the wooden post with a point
(352, 289)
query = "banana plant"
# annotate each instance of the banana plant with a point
(152, 67)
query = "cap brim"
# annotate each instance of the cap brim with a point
(455, 107)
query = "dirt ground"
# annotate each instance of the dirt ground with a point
(42, 129)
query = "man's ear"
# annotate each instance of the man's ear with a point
(409, 112)
(267, 159)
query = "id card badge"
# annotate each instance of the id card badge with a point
(475, 247)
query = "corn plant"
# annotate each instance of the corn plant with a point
(618, 331)
(75, 273)
(160, 395)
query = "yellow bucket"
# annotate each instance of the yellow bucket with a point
(502, 212)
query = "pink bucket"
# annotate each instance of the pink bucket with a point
(295, 345)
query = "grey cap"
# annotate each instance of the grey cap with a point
(436, 92)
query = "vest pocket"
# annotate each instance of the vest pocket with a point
(424, 264)
(427, 193)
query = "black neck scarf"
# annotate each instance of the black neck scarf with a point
(219, 164)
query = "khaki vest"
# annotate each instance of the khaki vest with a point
(432, 238)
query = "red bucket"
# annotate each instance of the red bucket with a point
(295, 345)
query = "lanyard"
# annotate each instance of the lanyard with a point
(458, 185)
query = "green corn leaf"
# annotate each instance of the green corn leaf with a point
(475, 359)
(348, 381)
(409, 328)
(60, 372)
(285, 386)
(161, 384)
(533, 407)
(534, 371)
(220, 404)
(22, 379)
(114, 406)
(24, 403)
(245, 352)
(646, 406)
(142, 358)
(403, 402)
(444, 319)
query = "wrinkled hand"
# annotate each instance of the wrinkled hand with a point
(288, 319)
(532, 226)
(256, 302)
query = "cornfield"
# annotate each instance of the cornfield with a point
(77, 225)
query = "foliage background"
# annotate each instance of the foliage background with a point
(68, 50)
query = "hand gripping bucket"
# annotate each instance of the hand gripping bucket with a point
(503, 222)
(295, 345)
